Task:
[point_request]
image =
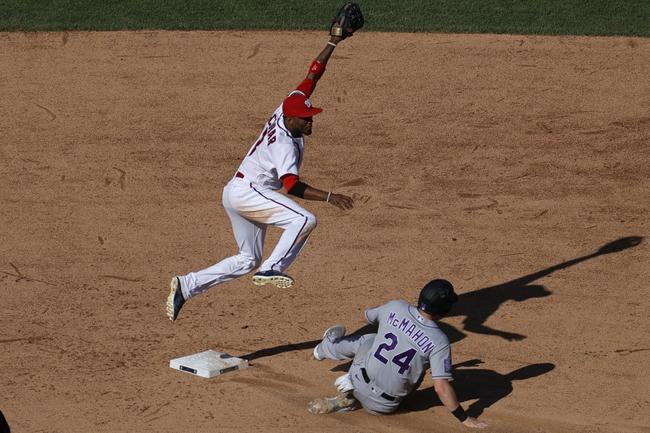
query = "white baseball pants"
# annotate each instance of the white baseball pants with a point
(251, 210)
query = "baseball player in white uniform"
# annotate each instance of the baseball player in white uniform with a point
(253, 201)
(389, 365)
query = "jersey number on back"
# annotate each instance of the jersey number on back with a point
(402, 360)
(269, 133)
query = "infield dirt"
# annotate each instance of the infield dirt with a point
(502, 163)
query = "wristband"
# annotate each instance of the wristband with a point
(328, 196)
(316, 68)
(331, 43)
(459, 413)
(298, 189)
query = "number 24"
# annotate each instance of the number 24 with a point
(402, 360)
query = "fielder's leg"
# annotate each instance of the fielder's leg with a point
(297, 223)
(250, 240)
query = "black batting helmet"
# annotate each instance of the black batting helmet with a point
(437, 297)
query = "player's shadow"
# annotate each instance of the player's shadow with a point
(276, 350)
(290, 347)
(479, 305)
(4, 426)
(485, 386)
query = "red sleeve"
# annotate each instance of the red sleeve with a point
(307, 86)
(289, 181)
(316, 69)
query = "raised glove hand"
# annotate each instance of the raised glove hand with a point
(348, 20)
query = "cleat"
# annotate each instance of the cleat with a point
(276, 278)
(332, 333)
(338, 403)
(175, 300)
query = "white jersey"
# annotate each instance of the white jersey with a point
(275, 154)
(253, 202)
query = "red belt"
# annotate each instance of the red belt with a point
(239, 174)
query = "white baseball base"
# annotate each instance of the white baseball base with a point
(208, 364)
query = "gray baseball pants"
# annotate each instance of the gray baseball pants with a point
(356, 348)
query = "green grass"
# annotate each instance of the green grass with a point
(571, 17)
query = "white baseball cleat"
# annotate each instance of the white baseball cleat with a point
(338, 403)
(278, 279)
(332, 333)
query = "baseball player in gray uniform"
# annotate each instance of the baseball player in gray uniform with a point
(389, 365)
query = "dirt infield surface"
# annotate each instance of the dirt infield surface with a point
(506, 164)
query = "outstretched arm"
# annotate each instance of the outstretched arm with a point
(317, 67)
(292, 185)
(324, 55)
(348, 19)
(448, 397)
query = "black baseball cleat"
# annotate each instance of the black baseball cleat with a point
(175, 300)
(278, 279)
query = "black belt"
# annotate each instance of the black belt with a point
(367, 380)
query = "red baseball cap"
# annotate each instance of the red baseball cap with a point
(298, 105)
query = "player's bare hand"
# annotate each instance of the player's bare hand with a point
(474, 423)
(342, 201)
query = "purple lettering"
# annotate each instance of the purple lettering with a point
(428, 347)
(410, 330)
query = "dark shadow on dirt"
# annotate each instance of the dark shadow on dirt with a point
(280, 349)
(479, 305)
(4, 426)
(485, 386)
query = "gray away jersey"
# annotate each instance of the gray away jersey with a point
(405, 346)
